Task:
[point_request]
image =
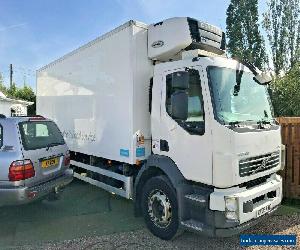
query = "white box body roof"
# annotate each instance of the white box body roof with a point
(98, 95)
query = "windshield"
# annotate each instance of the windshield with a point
(237, 97)
(42, 134)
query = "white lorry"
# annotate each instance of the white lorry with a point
(158, 114)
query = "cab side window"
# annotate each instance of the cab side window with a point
(194, 91)
(192, 88)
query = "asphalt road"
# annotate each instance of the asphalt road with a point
(82, 210)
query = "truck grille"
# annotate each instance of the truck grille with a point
(256, 164)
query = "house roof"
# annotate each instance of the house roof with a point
(6, 99)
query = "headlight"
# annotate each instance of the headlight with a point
(283, 157)
(231, 208)
(231, 204)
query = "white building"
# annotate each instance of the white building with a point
(12, 107)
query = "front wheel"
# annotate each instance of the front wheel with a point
(160, 209)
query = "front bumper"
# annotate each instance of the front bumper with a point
(204, 210)
(21, 195)
(258, 196)
(227, 232)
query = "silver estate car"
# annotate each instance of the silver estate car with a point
(34, 160)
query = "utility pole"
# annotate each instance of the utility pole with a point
(24, 80)
(11, 75)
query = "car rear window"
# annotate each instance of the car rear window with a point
(40, 134)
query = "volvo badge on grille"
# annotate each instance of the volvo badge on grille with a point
(263, 163)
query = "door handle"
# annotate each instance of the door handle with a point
(164, 145)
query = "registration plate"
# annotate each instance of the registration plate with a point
(263, 210)
(50, 162)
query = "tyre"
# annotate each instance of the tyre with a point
(160, 209)
(55, 195)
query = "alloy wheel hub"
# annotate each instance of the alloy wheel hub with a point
(159, 208)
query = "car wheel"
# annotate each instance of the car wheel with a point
(160, 209)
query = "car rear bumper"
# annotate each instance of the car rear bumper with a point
(21, 195)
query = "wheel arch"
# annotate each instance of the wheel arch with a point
(156, 165)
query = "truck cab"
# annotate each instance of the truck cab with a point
(226, 143)
(213, 122)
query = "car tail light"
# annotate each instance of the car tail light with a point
(67, 159)
(21, 170)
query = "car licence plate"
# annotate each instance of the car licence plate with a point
(50, 162)
(263, 210)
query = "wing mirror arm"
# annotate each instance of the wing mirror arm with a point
(261, 78)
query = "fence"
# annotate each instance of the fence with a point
(290, 132)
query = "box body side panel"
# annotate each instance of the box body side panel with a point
(89, 94)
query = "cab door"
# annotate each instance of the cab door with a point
(185, 133)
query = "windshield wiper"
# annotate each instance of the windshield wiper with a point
(262, 122)
(234, 124)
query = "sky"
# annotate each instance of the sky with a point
(35, 32)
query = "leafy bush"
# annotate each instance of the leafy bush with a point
(285, 93)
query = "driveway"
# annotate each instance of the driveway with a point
(83, 210)
(89, 218)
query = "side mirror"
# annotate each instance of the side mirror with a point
(180, 80)
(179, 105)
(263, 78)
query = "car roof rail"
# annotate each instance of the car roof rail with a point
(30, 116)
(2, 116)
(36, 118)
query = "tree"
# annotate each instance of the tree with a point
(292, 13)
(242, 29)
(11, 92)
(26, 93)
(2, 86)
(285, 93)
(282, 25)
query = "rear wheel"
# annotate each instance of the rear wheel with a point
(55, 195)
(160, 209)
